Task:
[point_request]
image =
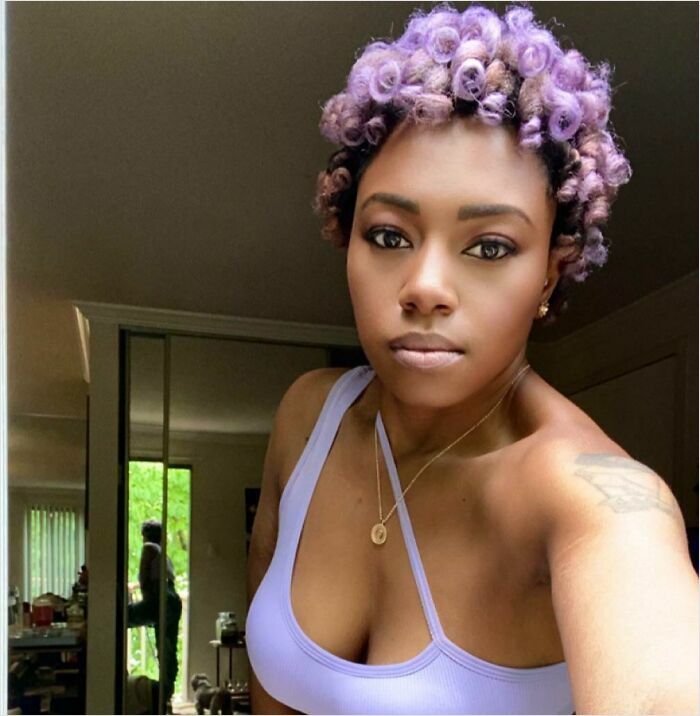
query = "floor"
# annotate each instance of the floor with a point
(188, 708)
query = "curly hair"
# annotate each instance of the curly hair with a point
(508, 71)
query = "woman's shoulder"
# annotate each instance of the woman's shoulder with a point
(298, 412)
(572, 470)
(572, 484)
(306, 395)
(560, 428)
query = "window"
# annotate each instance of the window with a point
(54, 549)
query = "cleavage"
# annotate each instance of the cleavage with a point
(352, 598)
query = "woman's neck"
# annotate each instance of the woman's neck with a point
(416, 430)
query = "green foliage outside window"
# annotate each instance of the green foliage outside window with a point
(145, 496)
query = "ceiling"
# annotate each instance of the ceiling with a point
(164, 155)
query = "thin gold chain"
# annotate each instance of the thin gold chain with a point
(384, 520)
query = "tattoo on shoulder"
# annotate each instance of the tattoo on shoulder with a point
(628, 485)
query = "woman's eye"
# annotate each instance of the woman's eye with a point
(391, 238)
(492, 250)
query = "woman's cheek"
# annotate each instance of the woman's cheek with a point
(365, 304)
(500, 320)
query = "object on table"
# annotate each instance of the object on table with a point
(26, 614)
(42, 611)
(227, 628)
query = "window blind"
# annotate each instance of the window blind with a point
(54, 549)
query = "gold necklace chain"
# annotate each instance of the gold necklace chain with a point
(378, 533)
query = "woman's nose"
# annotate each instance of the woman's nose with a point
(428, 285)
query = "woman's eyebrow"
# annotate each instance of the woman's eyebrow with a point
(393, 199)
(472, 211)
(468, 211)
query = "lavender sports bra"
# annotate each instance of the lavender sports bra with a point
(441, 679)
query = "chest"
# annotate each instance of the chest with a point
(465, 540)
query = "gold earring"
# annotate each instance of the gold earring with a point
(542, 310)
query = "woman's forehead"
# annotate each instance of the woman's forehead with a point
(462, 159)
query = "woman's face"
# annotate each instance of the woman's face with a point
(450, 235)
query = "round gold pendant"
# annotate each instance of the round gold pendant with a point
(378, 533)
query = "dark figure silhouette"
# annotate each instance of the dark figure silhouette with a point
(146, 612)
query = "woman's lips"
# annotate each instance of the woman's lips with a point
(426, 359)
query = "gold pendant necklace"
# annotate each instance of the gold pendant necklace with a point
(378, 533)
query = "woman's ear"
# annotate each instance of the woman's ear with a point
(557, 256)
(552, 275)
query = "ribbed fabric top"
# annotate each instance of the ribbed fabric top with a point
(441, 679)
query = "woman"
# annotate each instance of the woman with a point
(535, 567)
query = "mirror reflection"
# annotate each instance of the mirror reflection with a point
(221, 397)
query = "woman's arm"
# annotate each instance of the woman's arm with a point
(262, 545)
(263, 539)
(624, 590)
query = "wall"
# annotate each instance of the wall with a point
(15, 538)
(103, 486)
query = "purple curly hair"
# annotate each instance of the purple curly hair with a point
(507, 71)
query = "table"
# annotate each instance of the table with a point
(240, 701)
(230, 647)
